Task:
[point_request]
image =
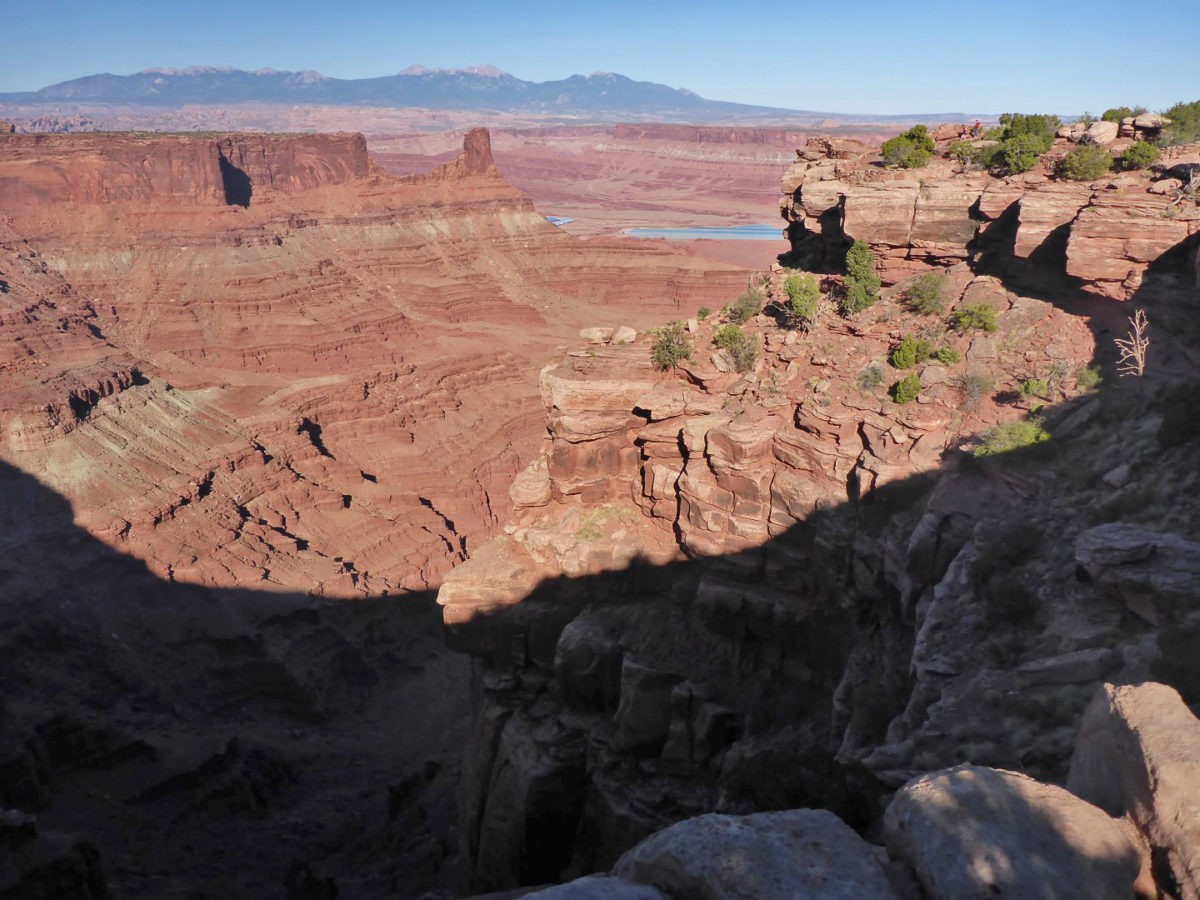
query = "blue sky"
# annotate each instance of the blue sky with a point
(1062, 56)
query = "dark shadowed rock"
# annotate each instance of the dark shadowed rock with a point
(1138, 755)
(599, 887)
(972, 831)
(800, 853)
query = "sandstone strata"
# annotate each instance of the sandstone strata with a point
(250, 358)
(1106, 233)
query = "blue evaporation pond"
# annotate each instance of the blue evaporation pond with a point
(559, 220)
(723, 233)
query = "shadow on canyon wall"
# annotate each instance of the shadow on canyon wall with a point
(243, 743)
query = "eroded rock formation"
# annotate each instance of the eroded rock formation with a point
(1104, 234)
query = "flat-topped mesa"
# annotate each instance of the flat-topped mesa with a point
(40, 170)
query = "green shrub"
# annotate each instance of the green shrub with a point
(925, 295)
(741, 346)
(1085, 163)
(1020, 154)
(1023, 138)
(1117, 113)
(1033, 387)
(1008, 436)
(947, 356)
(748, 305)
(910, 351)
(911, 150)
(671, 346)
(871, 378)
(974, 316)
(973, 386)
(862, 281)
(1185, 124)
(906, 389)
(1088, 378)
(804, 299)
(1140, 155)
(703, 313)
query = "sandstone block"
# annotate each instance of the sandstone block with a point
(1103, 132)
(644, 714)
(596, 335)
(803, 854)
(1138, 755)
(972, 831)
(624, 335)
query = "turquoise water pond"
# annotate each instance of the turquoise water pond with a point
(724, 233)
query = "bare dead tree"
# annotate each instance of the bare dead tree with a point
(1133, 347)
(1190, 192)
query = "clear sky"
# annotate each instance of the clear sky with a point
(1063, 56)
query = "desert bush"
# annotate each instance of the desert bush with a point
(906, 389)
(1185, 124)
(1023, 138)
(925, 295)
(947, 356)
(804, 299)
(966, 153)
(671, 346)
(862, 281)
(911, 150)
(703, 313)
(974, 316)
(1117, 113)
(741, 346)
(1140, 155)
(1008, 436)
(973, 386)
(1088, 378)
(870, 378)
(1085, 163)
(909, 352)
(1033, 387)
(748, 305)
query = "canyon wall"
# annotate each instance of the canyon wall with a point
(1099, 236)
(262, 359)
(742, 591)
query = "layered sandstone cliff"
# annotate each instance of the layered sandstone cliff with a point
(1104, 234)
(742, 591)
(260, 358)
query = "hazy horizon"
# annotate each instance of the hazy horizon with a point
(871, 59)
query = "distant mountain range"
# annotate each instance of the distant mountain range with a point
(602, 94)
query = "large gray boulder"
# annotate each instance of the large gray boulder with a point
(800, 853)
(1138, 755)
(972, 831)
(598, 887)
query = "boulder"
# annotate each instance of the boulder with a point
(1150, 122)
(972, 831)
(1150, 570)
(1138, 755)
(800, 853)
(598, 887)
(596, 335)
(624, 335)
(532, 486)
(1103, 132)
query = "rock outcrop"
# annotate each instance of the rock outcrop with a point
(1138, 756)
(978, 832)
(1105, 234)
